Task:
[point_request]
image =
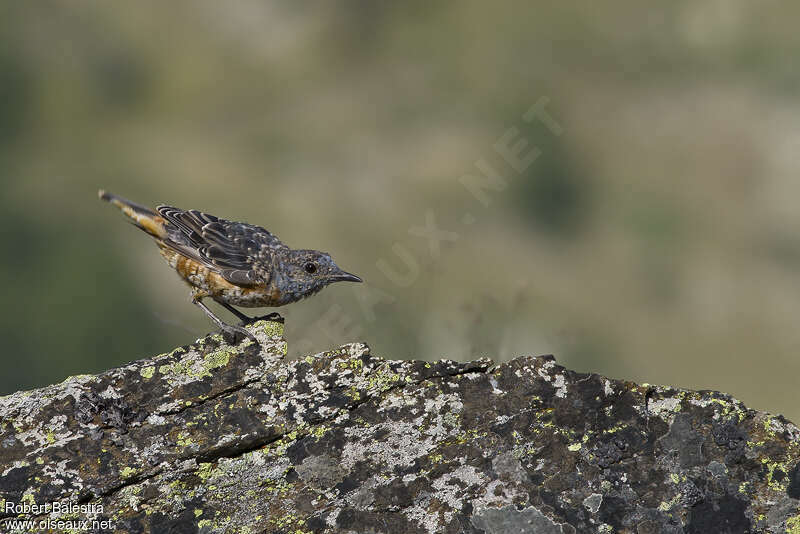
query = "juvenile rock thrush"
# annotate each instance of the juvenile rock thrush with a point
(234, 263)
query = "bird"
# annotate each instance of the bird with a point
(233, 263)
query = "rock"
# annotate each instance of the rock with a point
(216, 438)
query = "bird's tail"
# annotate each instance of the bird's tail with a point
(140, 216)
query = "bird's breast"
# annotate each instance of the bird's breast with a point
(248, 297)
(214, 285)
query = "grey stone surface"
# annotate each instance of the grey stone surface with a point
(215, 438)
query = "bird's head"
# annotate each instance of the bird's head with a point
(311, 270)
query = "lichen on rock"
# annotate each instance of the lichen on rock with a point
(220, 438)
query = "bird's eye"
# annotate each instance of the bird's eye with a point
(310, 268)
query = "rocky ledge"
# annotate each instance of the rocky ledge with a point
(220, 438)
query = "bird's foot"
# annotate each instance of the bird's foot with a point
(234, 335)
(274, 316)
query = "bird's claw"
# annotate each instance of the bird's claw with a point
(234, 335)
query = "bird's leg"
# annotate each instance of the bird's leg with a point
(274, 316)
(242, 317)
(230, 333)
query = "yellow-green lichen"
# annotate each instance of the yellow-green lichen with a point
(354, 364)
(178, 368)
(382, 380)
(183, 439)
(793, 525)
(768, 427)
(280, 487)
(215, 360)
(127, 472)
(319, 431)
(148, 372)
(665, 506)
(199, 368)
(620, 426)
(288, 520)
(270, 328)
(205, 471)
(353, 393)
(771, 468)
(729, 408)
(470, 435)
(278, 447)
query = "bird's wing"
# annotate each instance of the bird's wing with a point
(232, 249)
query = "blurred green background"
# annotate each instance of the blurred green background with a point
(655, 240)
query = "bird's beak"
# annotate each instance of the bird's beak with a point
(345, 277)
